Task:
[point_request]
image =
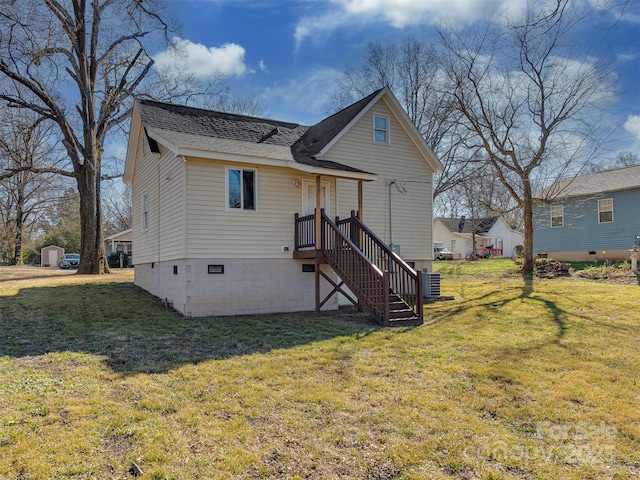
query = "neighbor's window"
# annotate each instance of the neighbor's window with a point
(145, 212)
(380, 128)
(557, 216)
(605, 210)
(241, 189)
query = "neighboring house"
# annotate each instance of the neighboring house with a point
(593, 217)
(51, 255)
(224, 208)
(494, 236)
(120, 242)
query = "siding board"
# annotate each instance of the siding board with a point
(581, 230)
(214, 231)
(411, 208)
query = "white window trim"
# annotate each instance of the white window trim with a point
(388, 130)
(145, 212)
(601, 211)
(226, 189)
(552, 216)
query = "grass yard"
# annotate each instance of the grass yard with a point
(512, 379)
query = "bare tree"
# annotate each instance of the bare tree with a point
(529, 100)
(50, 48)
(26, 145)
(117, 199)
(412, 72)
(623, 159)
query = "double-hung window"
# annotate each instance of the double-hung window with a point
(605, 210)
(557, 216)
(145, 212)
(380, 128)
(241, 189)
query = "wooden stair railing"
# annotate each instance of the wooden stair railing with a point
(386, 288)
(404, 281)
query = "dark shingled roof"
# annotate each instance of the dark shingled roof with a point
(483, 225)
(305, 142)
(211, 123)
(318, 136)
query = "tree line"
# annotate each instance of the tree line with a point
(508, 106)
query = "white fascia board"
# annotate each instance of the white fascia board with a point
(132, 145)
(330, 172)
(231, 157)
(164, 142)
(120, 234)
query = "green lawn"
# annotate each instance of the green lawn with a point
(511, 379)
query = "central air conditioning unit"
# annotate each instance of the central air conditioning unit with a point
(430, 284)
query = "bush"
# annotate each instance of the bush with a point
(519, 251)
(114, 260)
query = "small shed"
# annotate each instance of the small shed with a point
(51, 255)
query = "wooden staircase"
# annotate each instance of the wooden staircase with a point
(383, 283)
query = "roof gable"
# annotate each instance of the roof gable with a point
(319, 139)
(466, 225)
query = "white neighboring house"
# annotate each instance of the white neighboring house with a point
(494, 236)
(120, 242)
(224, 207)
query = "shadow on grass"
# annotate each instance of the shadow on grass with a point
(490, 300)
(135, 333)
(552, 307)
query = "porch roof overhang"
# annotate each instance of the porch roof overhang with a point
(196, 146)
(123, 236)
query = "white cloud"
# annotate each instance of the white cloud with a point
(262, 66)
(302, 99)
(632, 126)
(202, 61)
(401, 13)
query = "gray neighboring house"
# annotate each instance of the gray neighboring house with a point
(593, 217)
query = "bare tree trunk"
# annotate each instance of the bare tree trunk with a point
(17, 254)
(527, 205)
(92, 254)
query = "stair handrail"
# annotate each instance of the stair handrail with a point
(371, 289)
(410, 291)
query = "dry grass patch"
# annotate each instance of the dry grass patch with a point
(512, 379)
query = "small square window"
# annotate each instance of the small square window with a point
(380, 128)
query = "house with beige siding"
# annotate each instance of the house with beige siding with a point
(237, 215)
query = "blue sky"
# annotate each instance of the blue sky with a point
(290, 53)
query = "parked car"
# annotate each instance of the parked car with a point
(442, 253)
(69, 260)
